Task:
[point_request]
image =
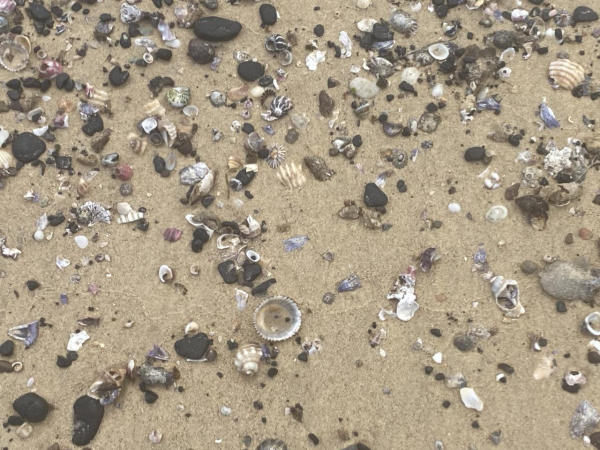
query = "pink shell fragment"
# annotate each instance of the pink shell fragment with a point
(172, 234)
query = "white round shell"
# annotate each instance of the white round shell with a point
(277, 318)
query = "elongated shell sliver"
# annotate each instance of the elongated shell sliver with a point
(277, 318)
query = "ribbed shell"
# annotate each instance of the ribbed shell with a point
(291, 176)
(13, 56)
(154, 108)
(247, 358)
(6, 160)
(277, 318)
(567, 74)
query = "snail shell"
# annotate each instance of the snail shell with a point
(83, 187)
(567, 74)
(280, 106)
(192, 328)
(154, 108)
(169, 129)
(252, 230)
(165, 273)
(291, 176)
(202, 188)
(136, 144)
(507, 296)
(109, 380)
(247, 358)
(277, 318)
(178, 97)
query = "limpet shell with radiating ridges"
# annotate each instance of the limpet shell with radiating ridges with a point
(154, 108)
(566, 73)
(247, 358)
(13, 56)
(291, 176)
(277, 318)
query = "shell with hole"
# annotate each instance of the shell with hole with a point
(191, 328)
(291, 176)
(108, 385)
(566, 73)
(165, 273)
(277, 318)
(136, 144)
(507, 296)
(154, 108)
(250, 228)
(247, 358)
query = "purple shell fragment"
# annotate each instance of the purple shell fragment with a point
(488, 103)
(158, 353)
(548, 117)
(27, 333)
(64, 299)
(351, 283)
(294, 243)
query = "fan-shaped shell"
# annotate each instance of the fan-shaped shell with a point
(277, 318)
(6, 160)
(13, 56)
(566, 73)
(247, 358)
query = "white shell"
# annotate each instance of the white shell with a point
(366, 25)
(410, 75)
(149, 124)
(437, 358)
(507, 296)
(148, 58)
(363, 4)
(6, 159)
(439, 51)
(277, 318)
(291, 176)
(191, 327)
(257, 91)
(62, 262)
(82, 241)
(40, 131)
(574, 377)
(154, 108)
(38, 235)
(438, 91)
(247, 358)
(252, 256)
(165, 273)
(496, 213)
(190, 111)
(508, 55)
(132, 216)
(454, 207)
(470, 399)
(76, 341)
(567, 74)
(24, 431)
(194, 269)
(241, 297)
(124, 208)
(364, 88)
(592, 323)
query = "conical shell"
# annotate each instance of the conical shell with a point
(136, 144)
(247, 358)
(277, 318)
(567, 74)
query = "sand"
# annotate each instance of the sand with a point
(335, 393)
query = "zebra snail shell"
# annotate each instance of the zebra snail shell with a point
(567, 74)
(247, 358)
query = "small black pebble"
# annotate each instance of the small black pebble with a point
(303, 357)
(446, 404)
(150, 396)
(436, 332)
(428, 370)
(561, 306)
(319, 30)
(313, 438)
(440, 376)
(63, 362)
(543, 342)
(272, 372)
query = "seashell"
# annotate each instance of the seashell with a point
(158, 353)
(277, 318)
(234, 163)
(130, 13)
(277, 43)
(49, 69)
(403, 290)
(291, 176)
(194, 270)
(6, 159)
(62, 262)
(172, 234)
(563, 18)
(17, 366)
(566, 74)
(507, 296)
(410, 75)
(132, 216)
(13, 55)
(254, 142)
(218, 98)
(294, 243)
(124, 208)
(439, 51)
(7, 7)
(25, 42)
(165, 273)
(247, 358)
(280, 106)
(107, 386)
(272, 444)
(191, 328)
(4, 135)
(318, 167)
(470, 399)
(82, 241)
(276, 156)
(392, 129)
(496, 213)
(252, 256)
(178, 97)
(24, 431)
(155, 437)
(123, 172)
(591, 323)
(169, 129)
(156, 138)
(27, 333)
(148, 58)
(349, 284)
(41, 54)
(202, 188)
(403, 23)
(285, 58)
(508, 55)
(190, 111)
(381, 67)
(154, 108)
(136, 144)
(427, 258)
(170, 162)
(38, 235)
(205, 220)
(149, 124)
(252, 230)
(366, 25)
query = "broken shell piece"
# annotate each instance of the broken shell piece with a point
(27, 333)
(202, 188)
(155, 437)
(154, 108)
(584, 419)
(470, 399)
(439, 51)
(76, 341)
(566, 74)
(62, 262)
(591, 323)
(291, 176)
(6, 159)
(507, 296)
(165, 273)
(158, 353)
(132, 216)
(247, 358)
(107, 386)
(277, 318)
(190, 111)
(403, 290)
(24, 430)
(17, 366)
(194, 269)
(191, 328)
(496, 213)
(574, 377)
(241, 298)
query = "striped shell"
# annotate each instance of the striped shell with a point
(136, 144)
(280, 106)
(6, 160)
(168, 129)
(291, 176)
(132, 216)
(277, 318)
(154, 108)
(247, 358)
(403, 23)
(13, 56)
(178, 96)
(276, 155)
(567, 74)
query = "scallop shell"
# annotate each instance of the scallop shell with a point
(178, 97)
(154, 108)
(6, 160)
(507, 296)
(13, 56)
(247, 358)
(234, 163)
(132, 216)
(277, 318)
(136, 144)
(291, 176)
(165, 273)
(567, 74)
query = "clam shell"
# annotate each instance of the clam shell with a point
(567, 74)
(247, 358)
(277, 318)
(190, 111)
(291, 176)
(13, 56)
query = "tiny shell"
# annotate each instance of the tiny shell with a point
(454, 207)
(27, 333)
(403, 23)
(154, 108)
(82, 241)
(191, 328)
(165, 273)
(291, 176)
(62, 262)
(123, 172)
(252, 255)
(277, 318)
(136, 144)
(591, 323)
(470, 399)
(24, 430)
(149, 124)
(190, 111)
(178, 97)
(247, 358)
(148, 58)
(349, 284)
(496, 213)
(439, 51)
(566, 74)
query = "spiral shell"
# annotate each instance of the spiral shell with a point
(277, 43)
(165, 273)
(13, 55)
(83, 187)
(136, 144)
(247, 358)
(277, 318)
(178, 97)
(291, 176)
(403, 23)
(154, 108)
(567, 74)
(280, 106)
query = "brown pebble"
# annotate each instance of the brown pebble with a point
(441, 297)
(569, 238)
(585, 234)
(512, 192)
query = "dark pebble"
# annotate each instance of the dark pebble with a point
(105, 17)
(446, 404)
(164, 54)
(63, 362)
(571, 389)
(561, 306)
(303, 357)
(245, 177)
(252, 271)
(314, 439)
(593, 357)
(268, 14)
(514, 140)
(474, 154)
(63, 162)
(32, 285)
(207, 201)
(584, 14)
(436, 332)
(31, 407)
(38, 12)
(272, 372)
(133, 29)
(262, 287)
(228, 272)
(250, 70)
(150, 396)
(118, 76)
(201, 52)
(202, 234)
(15, 83)
(72, 355)
(159, 163)
(596, 200)
(428, 370)
(216, 29)
(357, 141)
(7, 348)
(13, 95)
(61, 79)
(432, 107)
(543, 342)
(31, 82)
(406, 87)
(440, 376)
(27, 147)
(248, 195)
(125, 40)
(87, 417)
(15, 421)
(506, 368)
(94, 125)
(75, 7)
(248, 128)
(157, 3)
(192, 347)
(464, 343)
(197, 245)
(319, 30)
(374, 196)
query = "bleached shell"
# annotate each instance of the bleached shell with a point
(202, 188)
(277, 318)
(507, 296)
(149, 124)
(366, 25)
(410, 75)
(567, 74)
(191, 328)
(136, 144)
(82, 241)
(190, 111)
(496, 213)
(168, 128)
(247, 358)
(439, 51)
(252, 230)
(291, 176)
(13, 56)
(124, 208)
(165, 273)
(133, 216)
(234, 163)
(6, 159)
(592, 323)
(470, 399)
(154, 108)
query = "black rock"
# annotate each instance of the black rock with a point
(272, 372)
(262, 287)
(164, 53)
(503, 39)
(201, 52)
(252, 271)
(7, 348)
(382, 32)
(474, 154)
(31, 82)
(94, 125)
(192, 347)
(105, 17)
(319, 30)
(70, 85)
(38, 12)
(228, 272)
(27, 147)
(201, 234)
(464, 343)
(245, 177)
(251, 70)
(357, 141)
(571, 389)
(61, 79)
(514, 139)
(63, 362)
(207, 201)
(75, 7)
(72, 355)
(125, 41)
(536, 2)
(87, 417)
(32, 285)
(593, 357)
(15, 84)
(561, 307)
(303, 357)
(118, 76)
(157, 3)
(407, 87)
(506, 368)
(216, 29)
(13, 95)
(197, 245)
(31, 407)
(150, 396)
(15, 421)
(133, 30)
(159, 163)
(63, 162)
(248, 128)
(584, 14)
(268, 14)
(54, 220)
(374, 196)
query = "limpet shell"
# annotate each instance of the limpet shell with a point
(496, 213)
(277, 318)
(247, 358)
(567, 74)
(439, 51)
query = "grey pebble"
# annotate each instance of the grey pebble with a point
(529, 267)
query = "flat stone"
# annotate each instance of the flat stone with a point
(118, 76)
(561, 306)
(94, 125)
(594, 357)
(216, 29)
(38, 12)
(584, 14)
(27, 147)
(31, 407)
(251, 70)
(474, 154)
(7, 348)
(268, 14)
(87, 417)
(252, 271)
(464, 343)
(228, 272)
(192, 347)
(374, 196)
(263, 287)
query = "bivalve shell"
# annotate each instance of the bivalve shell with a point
(567, 74)
(247, 358)
(439, 51)
(277, 318)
